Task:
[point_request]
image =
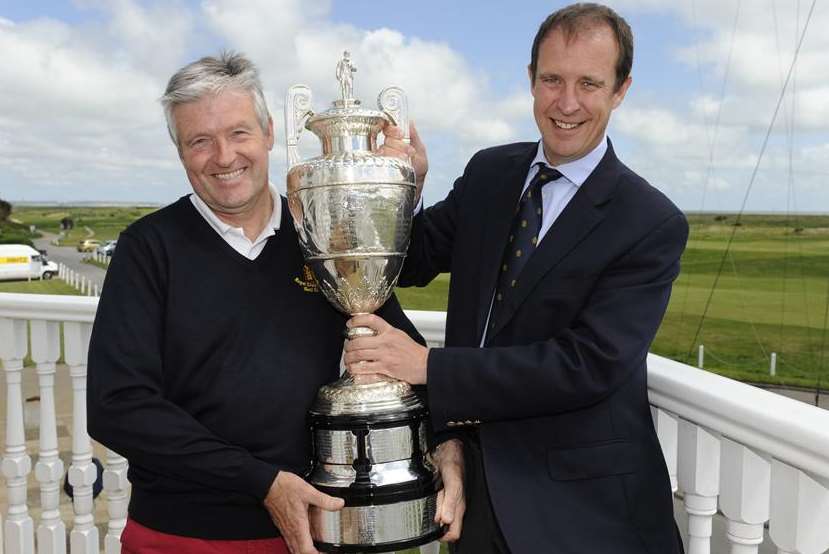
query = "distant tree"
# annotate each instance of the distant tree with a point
(5, 210)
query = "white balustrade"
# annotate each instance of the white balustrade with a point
(745, 489)
(51, 533)
(82, 472)
(117, 490)
(751, 455)
(18, 528)
(698, 475)
(667, 429)
(800, 510)
(755, 428)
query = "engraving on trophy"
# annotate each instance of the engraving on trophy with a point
(353, 211)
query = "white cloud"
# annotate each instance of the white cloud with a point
(79, 107)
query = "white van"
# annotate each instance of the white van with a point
(19, 261)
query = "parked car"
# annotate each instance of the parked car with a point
(107, 248)
(20, 261)
(88, 245)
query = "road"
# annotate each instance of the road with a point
(71, 258)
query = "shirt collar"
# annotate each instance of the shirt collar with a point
(223, 228)
(576, 171)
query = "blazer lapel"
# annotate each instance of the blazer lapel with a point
(499, 204)
(579, 218)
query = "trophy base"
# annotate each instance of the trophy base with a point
(383, 528)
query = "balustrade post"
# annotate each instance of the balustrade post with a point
(799, 522)
(51, 533)
(18, 528)
(745, 488)
(82, 473)
(667, 430)
(116, 487)
(699, 476)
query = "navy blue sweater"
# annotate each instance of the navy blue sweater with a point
(202, 367)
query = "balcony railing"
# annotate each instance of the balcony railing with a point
(750, 455)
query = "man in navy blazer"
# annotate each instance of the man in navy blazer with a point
(544, 375)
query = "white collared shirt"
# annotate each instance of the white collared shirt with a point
(235, 236)
(555, 195)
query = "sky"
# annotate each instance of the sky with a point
(80, 81)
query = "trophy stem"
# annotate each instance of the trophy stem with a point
(360, 331)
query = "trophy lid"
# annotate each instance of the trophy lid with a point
(365, 395)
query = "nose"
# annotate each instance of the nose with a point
(568, 102)
(224, 155)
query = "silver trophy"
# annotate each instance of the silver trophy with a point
(353, 213)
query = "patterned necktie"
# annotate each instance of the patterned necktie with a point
(523, 238)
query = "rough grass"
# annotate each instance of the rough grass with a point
(105, 222)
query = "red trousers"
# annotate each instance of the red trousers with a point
(137, 539)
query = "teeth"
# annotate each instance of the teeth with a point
(563, 125)
(229, 176)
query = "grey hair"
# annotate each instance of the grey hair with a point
(211, 76)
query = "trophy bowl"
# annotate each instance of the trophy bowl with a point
(353, 213)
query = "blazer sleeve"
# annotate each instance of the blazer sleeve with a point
(433, 236)
(581, 365)
(127, 408)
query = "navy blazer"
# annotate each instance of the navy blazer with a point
(559, 394)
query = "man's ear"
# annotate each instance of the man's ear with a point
(619, 95)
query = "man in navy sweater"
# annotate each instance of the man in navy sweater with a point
(212, 339)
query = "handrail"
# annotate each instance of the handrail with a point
(793, 432)
(48, 307)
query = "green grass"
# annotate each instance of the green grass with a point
(13, 232)
(105, 222)
(96, 263)
(771, 296)
(52, 286)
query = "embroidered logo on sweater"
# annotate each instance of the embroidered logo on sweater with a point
(307, 281)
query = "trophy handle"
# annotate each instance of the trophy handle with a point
(297, 112)
(392, 101)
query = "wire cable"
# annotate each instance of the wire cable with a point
(753, 176)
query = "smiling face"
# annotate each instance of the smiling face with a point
(225, 154)
(573, 91)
